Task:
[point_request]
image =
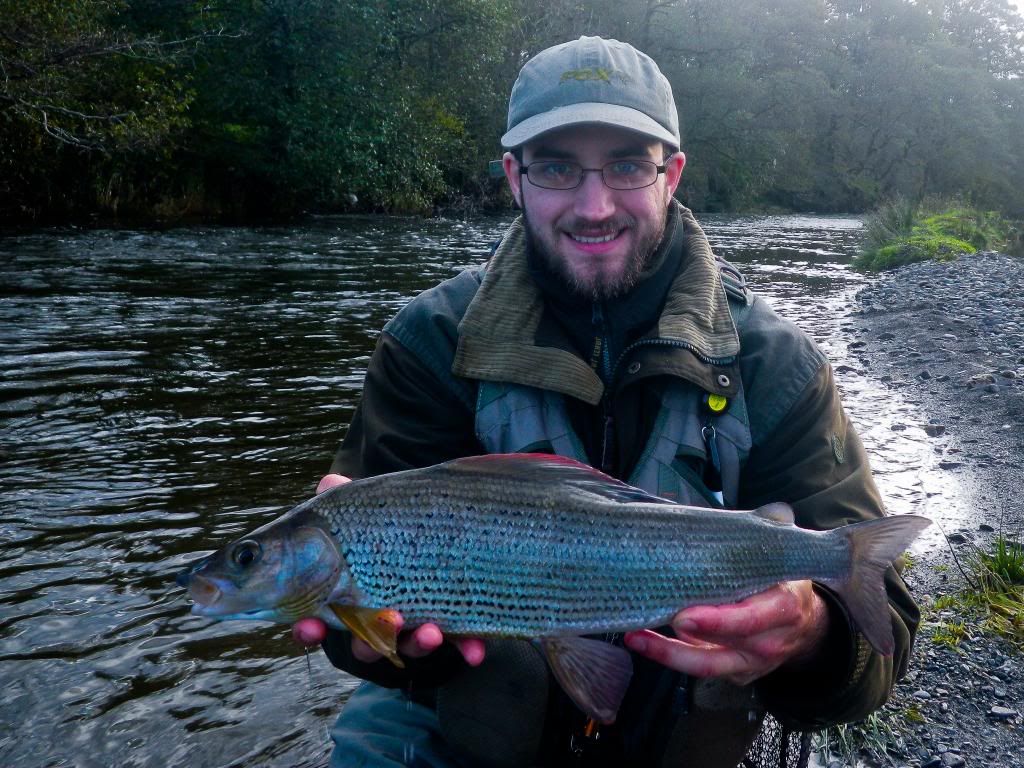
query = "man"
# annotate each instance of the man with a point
(603, 328)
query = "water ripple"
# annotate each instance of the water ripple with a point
(161, 391)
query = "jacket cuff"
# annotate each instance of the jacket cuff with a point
(799, 695)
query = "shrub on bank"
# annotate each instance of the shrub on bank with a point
(901, 232)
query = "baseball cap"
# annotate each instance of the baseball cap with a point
(591, 80)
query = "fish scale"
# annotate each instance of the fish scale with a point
(533, 547)
(559, 562)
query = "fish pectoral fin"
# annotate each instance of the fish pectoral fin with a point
(593, 673)
(377, 627)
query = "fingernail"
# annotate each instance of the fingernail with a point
(636, 642)
(685, 625)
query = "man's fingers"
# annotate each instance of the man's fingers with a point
(309, 631)
(472, 650)
(364, 652)
(695, 660)
(771, 609)
(425, 639)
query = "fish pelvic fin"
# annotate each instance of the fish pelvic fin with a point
(593, 673)
(377, 627)
(874, 545)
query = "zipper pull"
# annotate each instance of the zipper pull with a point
(713, 471)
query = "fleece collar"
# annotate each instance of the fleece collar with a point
(497, 335)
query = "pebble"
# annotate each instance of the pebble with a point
(1003, 713)
(948, 338)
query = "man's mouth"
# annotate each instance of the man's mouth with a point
(594, 239)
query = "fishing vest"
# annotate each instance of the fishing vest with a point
(514, 418)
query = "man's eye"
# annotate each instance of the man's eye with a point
(556, 170)
(624, 168)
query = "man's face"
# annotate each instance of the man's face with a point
(599, 239)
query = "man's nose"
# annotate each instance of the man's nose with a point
(594, 200)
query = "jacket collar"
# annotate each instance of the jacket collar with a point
(497, 334)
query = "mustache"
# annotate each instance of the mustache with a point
(589, 227)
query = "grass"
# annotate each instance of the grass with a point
(901, 232)
(996, 594)
(869, 738)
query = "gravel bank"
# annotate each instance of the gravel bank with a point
(950, 339)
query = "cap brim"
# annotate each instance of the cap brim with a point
(593, 113)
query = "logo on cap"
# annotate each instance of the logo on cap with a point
(593, 73)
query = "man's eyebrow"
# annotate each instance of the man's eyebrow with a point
(552, 153)
(631, 150)
(636, 150)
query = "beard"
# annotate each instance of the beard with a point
(599, 285)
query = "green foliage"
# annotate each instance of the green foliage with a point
(995, 596)
(1002, 569)
(252, 108)
(869, 738)
(901, 233)
(949, 633)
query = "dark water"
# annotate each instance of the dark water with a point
(163, 392)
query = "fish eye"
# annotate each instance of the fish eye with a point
(246, 553)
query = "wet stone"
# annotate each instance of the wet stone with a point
(1003, 713)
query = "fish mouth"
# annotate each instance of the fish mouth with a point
(203, 591)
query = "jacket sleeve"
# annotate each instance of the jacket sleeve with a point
(813, 459)
(406, 418)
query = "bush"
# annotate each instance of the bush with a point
(901, 233)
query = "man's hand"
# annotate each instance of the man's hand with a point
(742, 641)
(415, 644)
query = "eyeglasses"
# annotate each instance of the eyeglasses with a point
(618, 174)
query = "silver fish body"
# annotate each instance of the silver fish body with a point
(480, 555)
(536, 547)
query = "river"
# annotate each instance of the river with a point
(162, 392)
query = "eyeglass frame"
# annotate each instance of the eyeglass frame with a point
(660, 169)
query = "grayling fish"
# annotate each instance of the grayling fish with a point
(538, 547)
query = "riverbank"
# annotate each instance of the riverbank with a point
(949, 338)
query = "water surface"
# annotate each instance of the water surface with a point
(163, 392)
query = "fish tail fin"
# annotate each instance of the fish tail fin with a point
(874, 545)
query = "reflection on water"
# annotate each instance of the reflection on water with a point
(161, 392)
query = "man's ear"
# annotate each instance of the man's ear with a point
(674, 171)
(515, 179)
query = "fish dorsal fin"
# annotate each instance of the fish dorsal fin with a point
(548, 468)
(593, 673)
(777, 512)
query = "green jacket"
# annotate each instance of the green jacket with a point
(494, 323)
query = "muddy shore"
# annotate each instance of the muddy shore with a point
(949, 338)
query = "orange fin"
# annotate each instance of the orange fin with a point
(593, 673)
(377, 627)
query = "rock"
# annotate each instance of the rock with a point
(922, 695)
(924, 375)
(934, 430)
(1003, 713)
(952, 760)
